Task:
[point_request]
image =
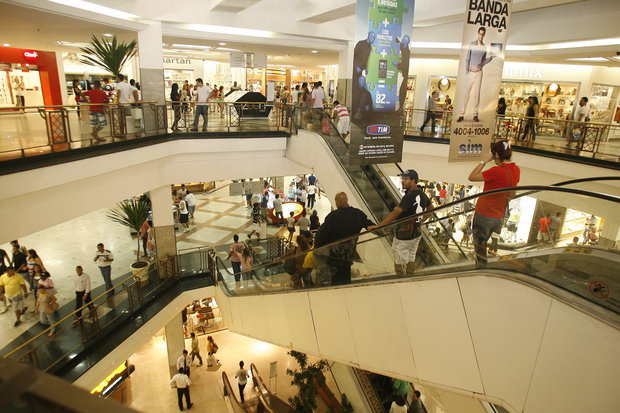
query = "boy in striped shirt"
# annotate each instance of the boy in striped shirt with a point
(342, 114)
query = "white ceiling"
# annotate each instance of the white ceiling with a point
(294, 28)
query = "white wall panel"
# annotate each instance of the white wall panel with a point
(275, 312)
(236, 308)
(439, 334)
(578, 368)
(378, 325)
(223, 303)
(332, 325)
(300, 324)
(255, 324)
(506, 321)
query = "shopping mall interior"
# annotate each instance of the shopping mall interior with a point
(196, 257)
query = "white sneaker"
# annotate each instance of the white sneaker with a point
(186, 230)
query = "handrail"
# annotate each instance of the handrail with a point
(228, 392)
(133, 277)
(379, 232)
(9, 109)
(262, 389)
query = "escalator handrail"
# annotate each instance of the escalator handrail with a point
(380, 232)
(262, 389)
(228, 391)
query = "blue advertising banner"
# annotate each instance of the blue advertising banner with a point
(380, 70)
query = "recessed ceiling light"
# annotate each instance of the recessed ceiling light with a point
(190, 46)
(222, 44)
(588, 59)
(6, 45)
(108, 34)
(315, 51)
(96, 8)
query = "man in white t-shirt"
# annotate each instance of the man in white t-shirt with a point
(202, 108)
(125, 93)
(318, 96)
(581, 114)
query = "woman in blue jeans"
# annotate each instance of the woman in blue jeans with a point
(491, 209)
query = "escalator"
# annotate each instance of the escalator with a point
(492, 333)
(375, 189)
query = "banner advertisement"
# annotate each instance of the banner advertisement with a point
(380, 72)
(479, 78)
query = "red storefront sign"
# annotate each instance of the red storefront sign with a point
(31, 55)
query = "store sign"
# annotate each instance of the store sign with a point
(177, 61)
(479, 78)
(526, 72)
(31, 55)
(380, 72)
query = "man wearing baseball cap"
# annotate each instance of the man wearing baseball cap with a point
(407, 234)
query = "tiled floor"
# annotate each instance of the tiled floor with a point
(149, 383)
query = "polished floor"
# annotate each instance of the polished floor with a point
(149, 383)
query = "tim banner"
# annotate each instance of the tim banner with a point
(379, 86)
(479, 78)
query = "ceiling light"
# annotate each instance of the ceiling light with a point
(238, 31)
(315, 51)
(71, 44)
(108, 34)
(222, 44)
(190, 46)
(435, 45)
(6, 45)
(588, 59)
(227, 49)
(96, 8)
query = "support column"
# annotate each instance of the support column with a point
(163, 221)
(175, 342)
(151, 70)
(345, 75)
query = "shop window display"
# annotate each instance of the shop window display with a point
(556, 99)
(603, 102)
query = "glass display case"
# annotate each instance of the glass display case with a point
(603, 102)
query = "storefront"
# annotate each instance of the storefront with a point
(556, 99)
(35, 71)
(445, 86)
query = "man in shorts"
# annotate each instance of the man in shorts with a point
(96, 112)
(407, 234)
(14, 287)
(543, 230)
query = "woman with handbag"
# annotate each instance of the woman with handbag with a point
(491, 209)
(46, 305)
(212, 348)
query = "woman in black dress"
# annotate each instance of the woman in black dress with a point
(175, 97)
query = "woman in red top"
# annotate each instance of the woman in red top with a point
(491, 209)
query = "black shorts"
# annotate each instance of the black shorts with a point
(183, 218)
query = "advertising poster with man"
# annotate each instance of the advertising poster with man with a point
(479, 78)
(380, 71)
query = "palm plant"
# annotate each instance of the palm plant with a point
(308, 379)
(108, 55)
(132, 214)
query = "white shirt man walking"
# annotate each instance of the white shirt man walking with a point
(181, 382)
(104, 259)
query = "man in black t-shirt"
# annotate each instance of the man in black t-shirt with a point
(340, 223)
(407, 234)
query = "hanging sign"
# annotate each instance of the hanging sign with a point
(479, 78)
(380, 71)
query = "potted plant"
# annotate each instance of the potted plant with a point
(132, 214)
(110, 55)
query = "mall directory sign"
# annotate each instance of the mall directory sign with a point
(479, 78)
(380, 70)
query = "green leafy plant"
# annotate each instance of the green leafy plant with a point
(132, 214)
(108, 55)
(307, 378)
